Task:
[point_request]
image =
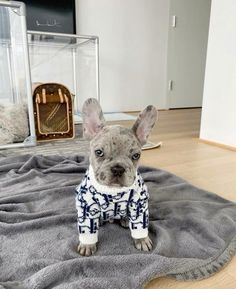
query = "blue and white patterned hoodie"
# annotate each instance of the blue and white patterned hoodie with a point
(95, 201)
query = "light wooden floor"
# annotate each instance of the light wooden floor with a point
(209, 167)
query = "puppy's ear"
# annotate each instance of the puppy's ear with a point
(144, 123)
(93, 119)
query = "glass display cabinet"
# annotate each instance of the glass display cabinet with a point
(15, 82)
(68, 59)
(33, 57)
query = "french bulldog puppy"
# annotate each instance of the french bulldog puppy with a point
(112, 187)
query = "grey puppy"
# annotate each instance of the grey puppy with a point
(112, 187)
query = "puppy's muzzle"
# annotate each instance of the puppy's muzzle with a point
(117, 171)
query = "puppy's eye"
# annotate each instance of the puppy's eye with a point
(99, 153)
(136, 156)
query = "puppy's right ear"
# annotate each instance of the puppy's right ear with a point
(93, 119)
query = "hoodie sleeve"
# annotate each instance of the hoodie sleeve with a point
(138, 211)
(88, 213)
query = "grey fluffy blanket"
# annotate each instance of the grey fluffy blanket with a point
(194, 231)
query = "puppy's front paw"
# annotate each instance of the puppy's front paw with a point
(86, 250)
(143, 244)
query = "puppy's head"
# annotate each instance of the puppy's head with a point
(115, 150)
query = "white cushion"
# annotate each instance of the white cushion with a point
(14, 125)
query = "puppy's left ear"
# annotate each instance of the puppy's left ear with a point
(144, 124)
(93, 119)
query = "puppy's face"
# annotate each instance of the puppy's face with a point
(114, 156)
(115, 150)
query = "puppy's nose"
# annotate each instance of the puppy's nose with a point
(117, 171)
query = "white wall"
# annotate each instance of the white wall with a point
(133, 50)
(219, 101)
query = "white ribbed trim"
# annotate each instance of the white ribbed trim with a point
(108, 189)
(139, 233)
(88, 239)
